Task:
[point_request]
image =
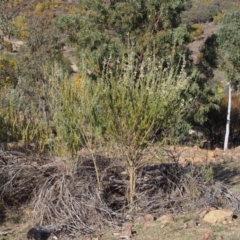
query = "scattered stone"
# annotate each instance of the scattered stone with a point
(124, 174)
(218, 216)
(126, 232)
(191, 224)
(166, 219)
(88, 238)
(205, 236)
(115, 234)
(40, 232)
(6, 232)
(140, 220)
(129, 217)
(203, 213)
(124, 238)
(148, 218)
(212, 208)
(145, 219)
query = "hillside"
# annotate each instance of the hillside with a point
(112, 119)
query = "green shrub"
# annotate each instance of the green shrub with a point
(201, 12)
(231, 6)
(20, 24)
(207, 174)
(7, 73)
(40, 7)
(115, 108)
(217, 18)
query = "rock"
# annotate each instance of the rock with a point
(6, 232)
(140, 220)
(205, 236)
(191, 224)
(218, 152)
(166, 219)
(148, 218)
(225, 222)
(218, 216)
(124, 238)
(126, 232)
(162, 226)
(124, 174)
(212, 208)
(203, 213)
(40, 232)
(144, 219)
(115, 234)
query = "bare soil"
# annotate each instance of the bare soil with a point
(194, 47)
(68, 51)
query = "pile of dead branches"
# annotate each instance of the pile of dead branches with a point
(70, 198)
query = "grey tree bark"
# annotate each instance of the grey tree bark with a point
(228, 118)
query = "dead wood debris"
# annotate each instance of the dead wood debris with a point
(71, 200)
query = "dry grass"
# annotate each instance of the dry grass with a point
(178, 231)
(57, 192)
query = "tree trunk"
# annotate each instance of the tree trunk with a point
(132, 183)
(228, 119)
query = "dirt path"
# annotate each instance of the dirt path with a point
(194, 47)
(14, 41)
(67, 51)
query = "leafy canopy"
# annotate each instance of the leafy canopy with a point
(228, 37)
(109, 30)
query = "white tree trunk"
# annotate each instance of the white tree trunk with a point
(228, 118)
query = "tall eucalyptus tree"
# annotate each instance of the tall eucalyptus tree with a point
(228, 38)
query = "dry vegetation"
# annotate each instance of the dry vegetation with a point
(65, 193)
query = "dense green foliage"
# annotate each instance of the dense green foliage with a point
(105, 31)
(110, 38)
(229, 42)
(131, 48)
(43, 47)
(200, 11)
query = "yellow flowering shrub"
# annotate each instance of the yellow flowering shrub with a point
(197, 30)
(217, 18)
(20, 23)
